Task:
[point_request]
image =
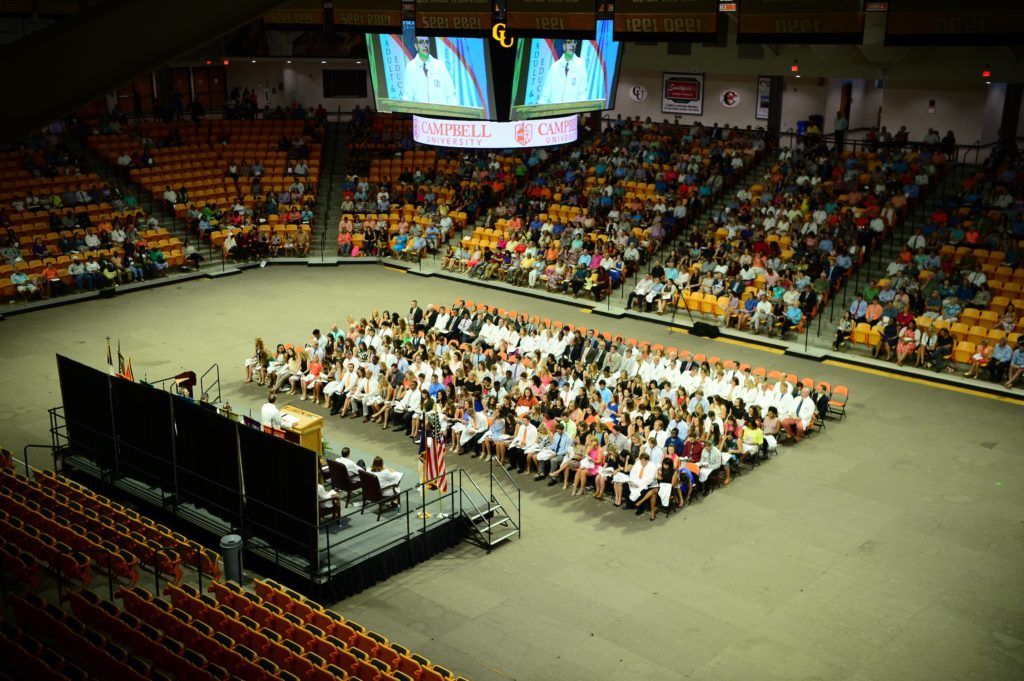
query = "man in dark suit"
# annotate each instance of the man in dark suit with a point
(416, 316)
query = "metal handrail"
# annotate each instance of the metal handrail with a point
(476, 487)
(72, 550)
(202, 385)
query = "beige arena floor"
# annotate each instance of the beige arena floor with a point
(888, 547)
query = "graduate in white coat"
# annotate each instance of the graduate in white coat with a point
(641, 476)
(426, 77)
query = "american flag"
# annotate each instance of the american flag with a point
(432, 449)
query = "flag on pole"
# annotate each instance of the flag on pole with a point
(433, 460)
(120, 359)
(110, 360)
(128, 370)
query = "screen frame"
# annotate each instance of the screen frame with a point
(522, 112)
(379, 81)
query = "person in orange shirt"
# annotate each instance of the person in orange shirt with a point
(52, 284)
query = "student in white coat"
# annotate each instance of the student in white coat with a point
(641, 477)
(426, 77)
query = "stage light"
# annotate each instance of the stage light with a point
(795, 68)
(253, 61)
(986, 72)
(209, 62)
(226, 62)
(323, 61)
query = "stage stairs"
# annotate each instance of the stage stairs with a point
(492, 512)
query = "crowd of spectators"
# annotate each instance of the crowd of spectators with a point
(619, 192)
(64, 229)
(255, 180)
(952, 293)
(572, 406)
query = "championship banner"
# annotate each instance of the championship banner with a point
(764, 97)
(949, 22)
(682, 93)
(679, 20)
(451, 17)
(378, 16)
(836, 22)
(347, 15)
(549, 18)
(544, 132)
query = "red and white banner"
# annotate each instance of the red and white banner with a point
(542, 132)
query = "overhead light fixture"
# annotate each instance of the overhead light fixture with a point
(289, 61)
(323, 61)
(253, 61)
(358, 61)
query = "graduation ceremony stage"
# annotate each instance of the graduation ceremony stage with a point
(209, 475)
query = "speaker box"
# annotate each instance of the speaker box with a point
(704, 330)
(108, 292)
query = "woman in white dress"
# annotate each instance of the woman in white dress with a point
(387, 477)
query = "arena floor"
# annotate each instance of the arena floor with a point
(888, 547)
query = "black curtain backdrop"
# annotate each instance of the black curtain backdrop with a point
(144, 432)
(280, 491)
(85, 393)
(207, 457)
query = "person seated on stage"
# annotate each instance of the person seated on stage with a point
(351, 466)
(387, 476)
(325, 496)
(270, 415)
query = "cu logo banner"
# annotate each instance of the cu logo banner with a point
(499, 34)
(638, 93)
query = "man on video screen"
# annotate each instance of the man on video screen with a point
(426, 78)
(567, 77)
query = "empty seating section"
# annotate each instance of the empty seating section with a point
(74, 530)
(269, 633)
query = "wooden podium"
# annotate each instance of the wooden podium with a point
(309, 428)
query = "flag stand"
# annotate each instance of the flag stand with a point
(424, 513)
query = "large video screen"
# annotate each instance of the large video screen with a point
(569, 75)
(431, 76)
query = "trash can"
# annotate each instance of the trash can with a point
(231, 554)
